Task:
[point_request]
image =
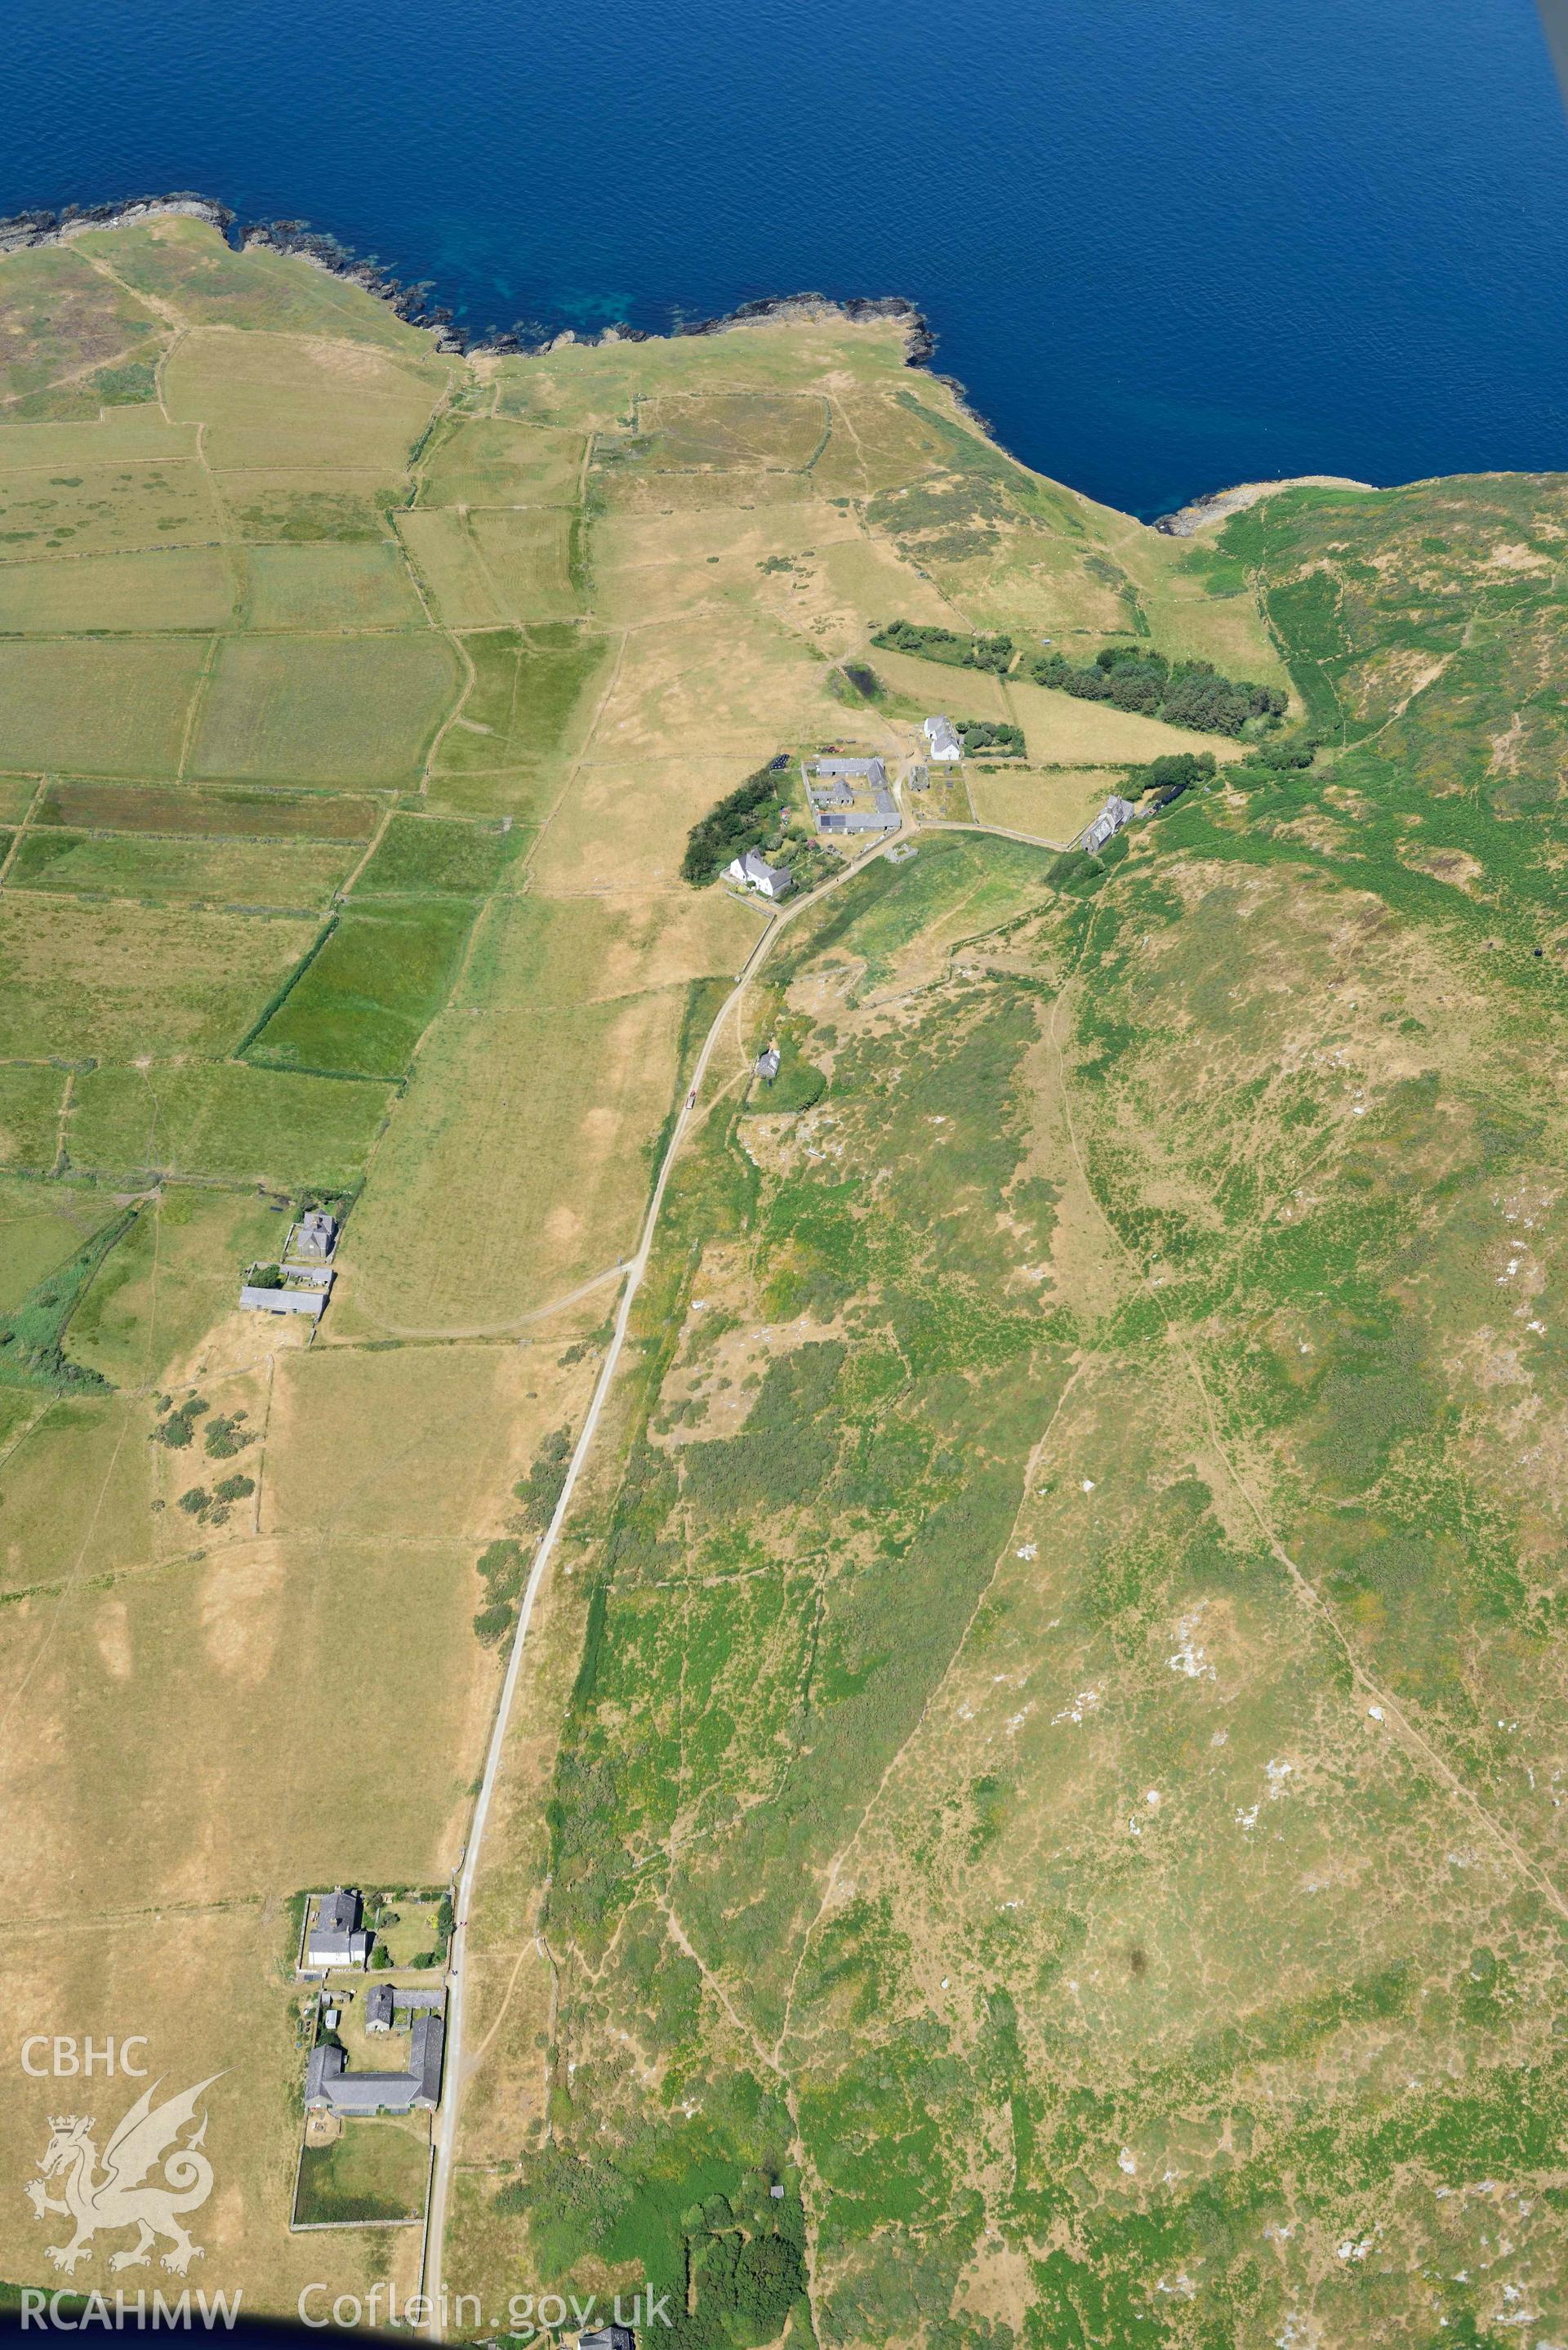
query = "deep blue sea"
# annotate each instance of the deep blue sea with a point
(1165, 245)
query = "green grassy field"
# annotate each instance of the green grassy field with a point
(417, 857)
(91, 505)
(188, 587)
(364, 1001)
(322, 710)
(485, 462)
(443, 552)
(97, 706)
(287, 874)
(233, 1122)
(527, 689)
(375, 2170)
(527, 552)
(115, 982)
(294, 505)
(331, 586)
(29, 1117)
(44, 1225)
(276, 400)
(168, 1282)
(580, 1016)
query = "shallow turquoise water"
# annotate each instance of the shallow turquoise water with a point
(1165, 248)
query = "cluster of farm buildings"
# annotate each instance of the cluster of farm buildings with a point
(302, 1281)
(335, 1941)
(849, 797)
(853, 797)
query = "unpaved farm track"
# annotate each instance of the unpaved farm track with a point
(688, 1113)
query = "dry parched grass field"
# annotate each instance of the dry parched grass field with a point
(1041, 1741)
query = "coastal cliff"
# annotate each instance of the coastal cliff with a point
(410, 300)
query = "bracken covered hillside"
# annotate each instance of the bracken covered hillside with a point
(1065, 1766)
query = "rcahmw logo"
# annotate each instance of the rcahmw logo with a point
(149, 2176)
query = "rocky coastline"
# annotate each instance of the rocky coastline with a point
(1219, 504)
(24, 229)
(413, 301)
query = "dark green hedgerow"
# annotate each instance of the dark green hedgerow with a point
(995, 653)
(1184, 693)
(32, 1336)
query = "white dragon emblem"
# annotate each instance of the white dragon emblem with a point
(117, 2198)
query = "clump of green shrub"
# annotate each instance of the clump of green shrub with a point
(1269, 763)
(213, 1509)
(1290, 751)
(541, 1489)
(178, 1428)
(1079, 872)
(501, 1568)
(1168, 776)
(225, 1434)
(983, 734)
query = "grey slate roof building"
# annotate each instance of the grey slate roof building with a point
(335, 1938)
(859, 819)
(608, 2337)
(769, 881)
(1110, 820)
(874, 770)
(302, 1293)
(315, 1237)
(330, 2087)
(378, 2008)
(767, 1063)
(404, 1997)
(428, 2039)
(942, 737)
(839, 809)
